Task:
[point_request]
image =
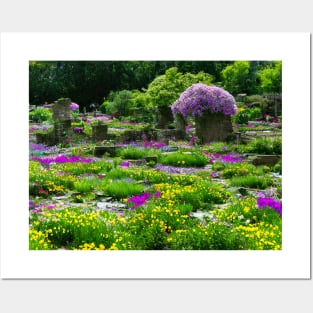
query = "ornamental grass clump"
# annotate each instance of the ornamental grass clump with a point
(180, 159)
(199, 98)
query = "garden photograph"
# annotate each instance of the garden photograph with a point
(155, 155)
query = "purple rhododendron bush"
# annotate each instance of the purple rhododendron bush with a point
(199, 98)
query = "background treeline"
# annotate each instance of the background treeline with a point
(87, 82)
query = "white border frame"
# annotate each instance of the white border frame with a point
(292, 262)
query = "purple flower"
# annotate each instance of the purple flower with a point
(31, 204)
(199, 98)
(74, 106)
(125, 164)
(188, 128)
(78, 130)
(139, 200)
(157, 194)
(36, 210)
(271, 203)
(62, 159)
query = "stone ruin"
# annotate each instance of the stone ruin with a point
(214, 127)
(62, 121)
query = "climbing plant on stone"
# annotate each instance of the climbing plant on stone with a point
(212, 107)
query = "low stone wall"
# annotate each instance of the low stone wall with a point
(100, 151)
(269, 160)
(175, 134)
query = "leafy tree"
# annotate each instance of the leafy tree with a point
(271, 78)
(165, 89)
(121, 102)
(236, 77)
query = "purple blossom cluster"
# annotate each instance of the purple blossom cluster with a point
(74, 106)
(271, 203)
(40, 207)
(176, 170)
(62, 159)
(78, 130)
(139, 200)
(154, 144)
(125, 164)
(226, 158)
(188, 128)
(39, 147)
(199, 98)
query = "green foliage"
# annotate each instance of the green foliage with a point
(254, 114)
(235, 77)
(218, 166)
(240, 169)
(271, 77)
(104, 107)
(165, 89)
(263, 145)
(242, 116)
(195, 159)
(259, 182)
(41, 115)
(278, 168)
(85, 185)
(133, 153)
(214, 236)
(121, 189)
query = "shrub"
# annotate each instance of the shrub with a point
(85, 185)
(195, 159)
(259, 182)
(278, 167)
(121, 189)
(277, 146)
(41, 115)
(242, 117)
(214, 236)
(133, 153)
(240, 169)
(266, 146)
(254, 114)
(199, 98)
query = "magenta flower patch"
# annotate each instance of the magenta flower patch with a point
(270, 203)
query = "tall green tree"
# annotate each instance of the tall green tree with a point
(165, 89)
(271, 78)
(236, 77)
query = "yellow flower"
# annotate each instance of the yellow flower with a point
(246, 209)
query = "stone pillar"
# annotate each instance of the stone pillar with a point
(164, 117)
(213, 127)
(180, 122)
(99, 132)
(62, 120)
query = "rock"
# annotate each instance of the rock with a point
(151, 158)
(269, 160)
(169, 148)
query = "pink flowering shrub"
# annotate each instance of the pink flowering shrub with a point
(199, 98)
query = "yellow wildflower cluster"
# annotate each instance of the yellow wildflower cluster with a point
(261, 236)
(38, 240)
